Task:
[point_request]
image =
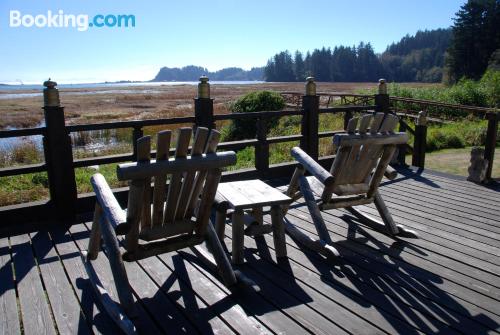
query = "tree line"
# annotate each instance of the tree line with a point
(192, 73)
(466, 49)
(414, 58)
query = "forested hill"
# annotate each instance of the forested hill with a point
(417, 58)
(413, 58)
(193, 73)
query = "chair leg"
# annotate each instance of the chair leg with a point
(292, 187)
(387, 225)
(221, 261)
(115, 311)
(318, 246)
(95, 234)
(385, 214)
(387, 218)
(220, 223)
(117, 268)
(324, 244)
(313, 208)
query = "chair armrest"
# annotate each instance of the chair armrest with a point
(390, 173)
(110, 206)
(312, 166)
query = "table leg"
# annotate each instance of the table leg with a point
(220, 224)
(258, 215)
(278, 231)
(238, 236)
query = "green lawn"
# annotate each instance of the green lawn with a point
(455, 161)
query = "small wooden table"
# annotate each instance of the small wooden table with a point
(250, 196)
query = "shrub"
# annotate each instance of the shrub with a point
(250, 103)
(24, 152)
(491, 85)
(40, 178)
(457, 135)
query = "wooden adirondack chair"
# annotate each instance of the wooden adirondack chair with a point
(360, 163)
(178, 217)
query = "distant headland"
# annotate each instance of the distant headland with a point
(192, 73)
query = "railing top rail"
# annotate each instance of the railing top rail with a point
(444, 104)
(22, 132)
(130, 124)
(346, 108)
(330, 94)
(256, 115)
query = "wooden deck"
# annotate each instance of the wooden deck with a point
(445, 282)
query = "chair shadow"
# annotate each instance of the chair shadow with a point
(401, 291)
(269, 297)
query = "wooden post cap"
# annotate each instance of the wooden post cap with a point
(50, 94)
(382, 86)
(204, 88)
(310, 86)
(422, 118)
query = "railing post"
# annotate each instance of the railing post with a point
(58, 156)
(420, 140)
(204, 106)
(262, 148)
(402, 148)
(382, 98)
(491, 140)
(310, 120)
(136, 134)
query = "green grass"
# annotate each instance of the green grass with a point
(454, 161)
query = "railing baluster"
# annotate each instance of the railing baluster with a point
(420, 141)
(402, 147)
(262, 148)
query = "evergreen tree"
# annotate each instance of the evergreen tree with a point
(476, 35)
(299, 67)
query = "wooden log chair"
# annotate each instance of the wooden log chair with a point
(360, 162)
(178, 217)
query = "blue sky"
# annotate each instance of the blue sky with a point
(214, 34)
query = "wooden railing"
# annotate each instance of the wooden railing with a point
(409, 108)
(65, 203)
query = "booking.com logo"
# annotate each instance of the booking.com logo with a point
(82, 22)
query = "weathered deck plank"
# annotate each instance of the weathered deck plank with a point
(35, 309)
(9, 318)
(447, 281)
(65, 307)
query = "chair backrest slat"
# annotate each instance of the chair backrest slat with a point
(159, 193)
(193, 181)
(211, 147)
(351, 125)
(199, 143)
(359, 153)
(137, 190)
(176, 178)
(365, 123)
(377, 121)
